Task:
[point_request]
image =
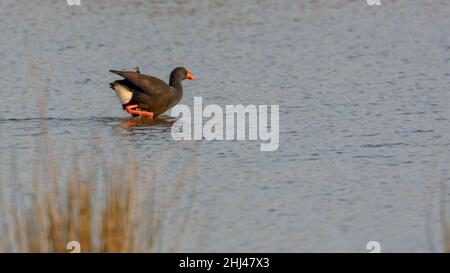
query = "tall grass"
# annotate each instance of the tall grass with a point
(441, 218)
(445, 227)
(104, 205)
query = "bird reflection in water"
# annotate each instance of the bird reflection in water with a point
(132, 122)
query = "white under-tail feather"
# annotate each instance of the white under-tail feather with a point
(123, 93)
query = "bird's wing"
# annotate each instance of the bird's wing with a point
(148, 84)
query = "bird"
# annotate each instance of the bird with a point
(149, 96)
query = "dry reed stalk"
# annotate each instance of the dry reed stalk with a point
(444, 217)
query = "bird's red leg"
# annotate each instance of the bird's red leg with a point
(131, 109)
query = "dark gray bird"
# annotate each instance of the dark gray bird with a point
(149, 96)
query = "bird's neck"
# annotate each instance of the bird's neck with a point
(176, 83)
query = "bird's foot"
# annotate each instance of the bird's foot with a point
(131, 109)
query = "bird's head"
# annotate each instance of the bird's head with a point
(181, 73)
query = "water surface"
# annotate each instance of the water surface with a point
(363, 94)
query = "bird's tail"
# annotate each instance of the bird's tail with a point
(114, 71)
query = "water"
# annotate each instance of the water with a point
(363, 94)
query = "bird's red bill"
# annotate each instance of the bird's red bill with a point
(190, 76)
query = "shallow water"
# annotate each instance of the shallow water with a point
(363, 94)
